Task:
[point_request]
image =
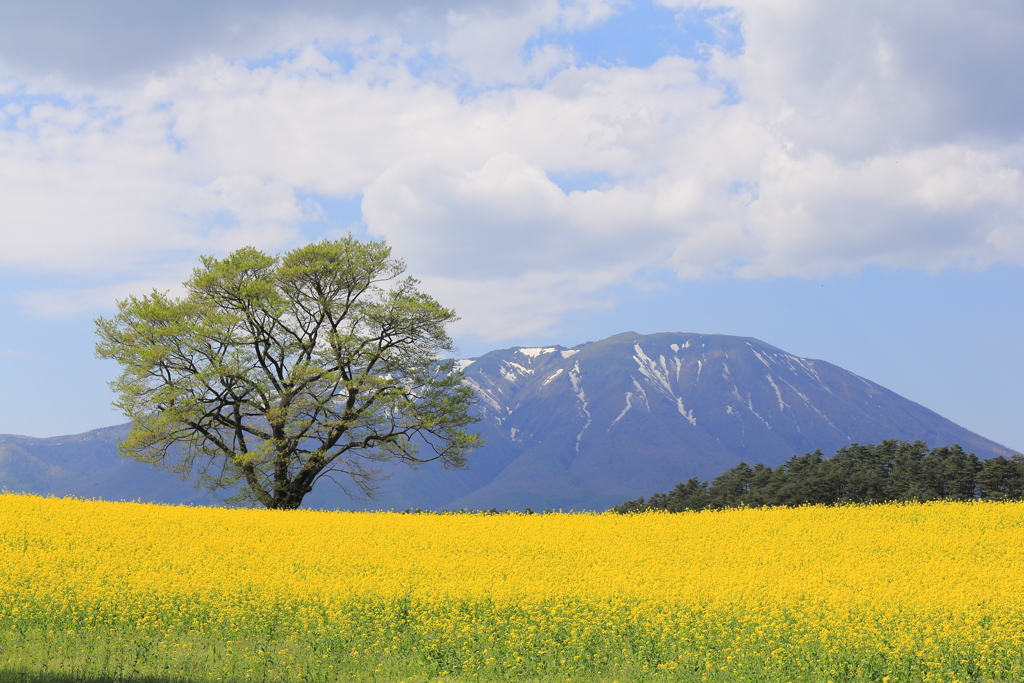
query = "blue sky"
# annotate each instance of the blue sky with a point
(842, 180)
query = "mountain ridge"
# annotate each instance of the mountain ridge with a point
(585, 427)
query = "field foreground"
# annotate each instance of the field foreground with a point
(121, 591)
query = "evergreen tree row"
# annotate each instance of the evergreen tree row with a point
(892, 471)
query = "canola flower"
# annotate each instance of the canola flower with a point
(889, 593)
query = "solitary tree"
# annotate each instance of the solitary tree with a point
(273, 373)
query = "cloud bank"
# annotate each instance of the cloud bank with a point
(519, 181)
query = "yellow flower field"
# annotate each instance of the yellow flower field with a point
(894, 592)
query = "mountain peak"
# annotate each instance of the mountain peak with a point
(597, 420)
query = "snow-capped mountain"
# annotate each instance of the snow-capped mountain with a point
(580, 428)
(599, 423)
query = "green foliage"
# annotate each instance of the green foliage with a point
(893, 471)
(273, 373)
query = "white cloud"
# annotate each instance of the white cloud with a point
(82, 188)
(245, 210)
(111, 39)
(122, 41)
(858, 78)
(493, 309)
(63, 301)
(842, 135)
(932, 208)
(504, 218)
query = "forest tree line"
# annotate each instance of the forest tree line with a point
(890, 472)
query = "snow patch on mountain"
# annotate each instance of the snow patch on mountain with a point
(825, 417)
(749, 404)
(484, 394)
(654, 371)
(581, 396)
(657, 373)
(778, 394)
(807, 366)
(629, 404)
(643, 394)
(514, 372)
(687, 414)
(553, 377)
(533, 353)
(759, 356)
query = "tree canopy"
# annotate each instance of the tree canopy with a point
(273, 373)
(891, 471)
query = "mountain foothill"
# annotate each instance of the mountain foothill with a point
(581, 428)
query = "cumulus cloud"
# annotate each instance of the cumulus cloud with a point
(929, 209)
(858, 78)
(839, 136)
(119, 41)
(503, 218)
(82, 189)
(91, 189)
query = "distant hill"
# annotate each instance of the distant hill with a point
(584, 428)
(88, 466)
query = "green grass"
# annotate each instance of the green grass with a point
(97, 657)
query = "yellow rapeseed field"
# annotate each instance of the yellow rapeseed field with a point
(889, 593)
